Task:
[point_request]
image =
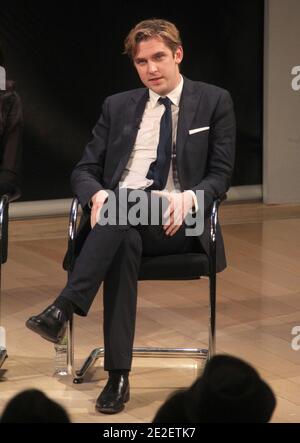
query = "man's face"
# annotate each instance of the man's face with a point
(157, 66)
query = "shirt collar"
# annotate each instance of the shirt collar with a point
(174, 95)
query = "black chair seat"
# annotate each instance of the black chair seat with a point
(174, 267)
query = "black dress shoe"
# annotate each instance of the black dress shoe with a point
(51, 324)
(114, 395)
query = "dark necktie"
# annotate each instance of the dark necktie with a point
(159, 169)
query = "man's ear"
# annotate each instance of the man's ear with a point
(178, 56)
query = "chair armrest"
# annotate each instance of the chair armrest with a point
(7, 198)
(4, 203)
(69, 260)
(73, 218)
(10, 197)
(214, 220)
(214, 217)
(15, 196)
(213, 234)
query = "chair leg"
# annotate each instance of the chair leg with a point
(3, 355)
(140, 352)
(3, 351)
(70, 348)
(213, 280)
(65, 362)
(212, 316)
(88, 363)
(170, 352)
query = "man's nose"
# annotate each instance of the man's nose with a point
(152, 68)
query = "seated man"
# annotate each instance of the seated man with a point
(173, 135)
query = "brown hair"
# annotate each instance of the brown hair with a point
(147, 29)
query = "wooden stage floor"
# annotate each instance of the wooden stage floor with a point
(258, 304)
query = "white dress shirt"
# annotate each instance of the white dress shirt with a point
(144, 151)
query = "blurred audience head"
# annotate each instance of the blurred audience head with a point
(32, 406)
(229, 391)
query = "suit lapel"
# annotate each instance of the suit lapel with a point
(132, 120)
(189, 102)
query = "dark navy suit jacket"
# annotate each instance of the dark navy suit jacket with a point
(205, 159)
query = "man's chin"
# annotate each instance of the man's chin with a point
(158, 89)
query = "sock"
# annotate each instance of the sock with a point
(64, 305)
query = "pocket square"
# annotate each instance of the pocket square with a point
(194, 131)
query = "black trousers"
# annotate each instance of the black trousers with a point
(112, 254)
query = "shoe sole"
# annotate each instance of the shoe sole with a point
(34, 328)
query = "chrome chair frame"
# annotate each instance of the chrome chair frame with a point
(4, 203)
(146, 351)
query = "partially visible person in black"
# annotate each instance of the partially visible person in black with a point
(229, 391)
(33, 406)
(11, 124)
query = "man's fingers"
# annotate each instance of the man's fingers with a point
(168, 213)
(174, 226)
(93, 219)
(169, 221)
(173, 232)
(173, 229)
(94, 213)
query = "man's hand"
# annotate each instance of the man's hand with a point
(98, 201)
(179, 206)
